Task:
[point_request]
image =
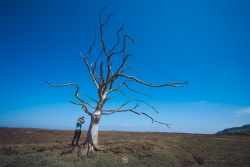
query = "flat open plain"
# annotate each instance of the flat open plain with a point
(39, 147)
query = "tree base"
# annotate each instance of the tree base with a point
(87, 148)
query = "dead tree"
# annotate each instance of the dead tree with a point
(104, 77)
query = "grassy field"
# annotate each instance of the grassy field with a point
(37, 147)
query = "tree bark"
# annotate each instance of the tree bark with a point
(91, 142)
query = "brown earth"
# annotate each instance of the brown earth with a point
(38, 147)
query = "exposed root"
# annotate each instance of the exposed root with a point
(86, 148)
(83, 150)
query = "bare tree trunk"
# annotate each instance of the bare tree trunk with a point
(91, 142)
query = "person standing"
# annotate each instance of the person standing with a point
(77, 135)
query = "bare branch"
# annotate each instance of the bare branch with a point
(97, 77)
(86, 110)
(118, 110)
(118, 38)
(93, 72)
(108, 19)
(133, 110)
(68, 84)
(89, 69)
(87, 64)
(76, 103)
(123, 62)
(174, 84)
(112, 64)
(76, 93)
(90, 48)
(108, 98)
(101, 15)
(124, 44)
(113, 78)
(103, 44)
(130, 39)
(97, 60)
(110, 80)
(134, 69)
(141, 101)
(111, 85)
(101, 34)
(109, 67)
(89, 97)
(118, 87)
(101, 73)
(138, 91)
(109, 64)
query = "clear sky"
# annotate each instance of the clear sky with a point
(205, 42)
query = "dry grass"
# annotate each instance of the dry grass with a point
(36, 147)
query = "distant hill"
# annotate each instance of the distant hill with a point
(245, 129)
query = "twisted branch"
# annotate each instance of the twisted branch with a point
(97, 60)
(118, 38)
(118, 87)
(109, 112)
(174, 84)
(124, 44)
(89, 97)
(76, 103)
(141, 101)
(76, 93)
(138, 91)
(91, 73)
(89, 69)
(101, 34)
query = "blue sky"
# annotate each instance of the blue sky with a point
(204, 42)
